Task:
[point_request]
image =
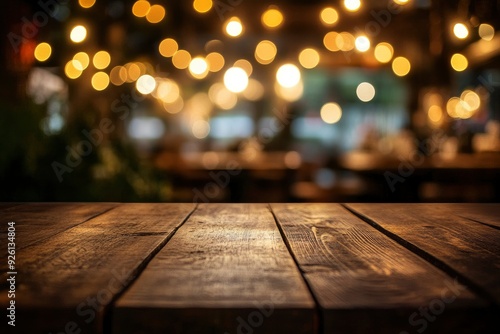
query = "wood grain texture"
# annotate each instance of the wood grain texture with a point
(465, 247)
(487, 214)
(70, 278)
(38, 221)
(366, 282)
(227, 270)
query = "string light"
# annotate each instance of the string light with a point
(43, 51)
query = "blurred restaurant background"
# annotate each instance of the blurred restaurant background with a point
(250, 101)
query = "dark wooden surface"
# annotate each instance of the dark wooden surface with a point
(254, 268)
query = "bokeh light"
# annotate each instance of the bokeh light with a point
(459, 62)
(86, 3)
(78, 34)
(272, 18)
(118, 75)
(460, 30)
(146, 84)
(255, 90)
(365, 91)
(236, 79)
(352, 5)
(200, 129)
(155, 14)
(83, 58)
(288, 75)
(168, 91)
(265, 52)
(100, 81)
(362, 43)
(330, 41)
(290, 94)
(141, 8)
(215, 61)
(233, 27)
(73, 69)
(222, 97)
(331, 113)
(486, 32)
(202, 6)
(384, 52)
(309, 58)
(329, 16)
(198, 67)
(245, 65)
(401, 66)
(168, 47)
(101, 60)
(181, 59)
(43, 51)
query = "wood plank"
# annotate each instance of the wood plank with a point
(366, 282)
(457, 245)
(38, 221)
(226, 263)
(70, 278)
(487, 214)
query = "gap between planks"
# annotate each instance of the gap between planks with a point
(440, 264)
(107, 313)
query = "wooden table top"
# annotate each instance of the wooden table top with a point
(252, 268)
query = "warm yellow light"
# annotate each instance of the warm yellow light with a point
(288, 75)
(272, 18)
(401, 66)
(330, 41)
(155, 14)
(73, 69)
(86, 3)
(471, 98)
(435, 114)
(459, 62)
(222, 97)
(352, 5)
(309, 58)
(181, 59)
(200, 129)
(345, 41)
(118, 75)
(202, 6)
(198, 67)
(78, 34)
(215, 61)
(265, 52)
(236, 79)
(460, 30)
(365, 91)
(101, 60)
(175, 106)
(133, 72)
(168, 91)
(146, 84)
(168, 47)
(245, 65)
(141, 8)
(100, 81)
(329, 16)
(83, 59)
(401, 2)
(43, 51)
(451, 106)
(486, 32)
(384, 52)
(362, 43)
(290, 94)
(331, 113)
(233, 27)
(255, 90)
